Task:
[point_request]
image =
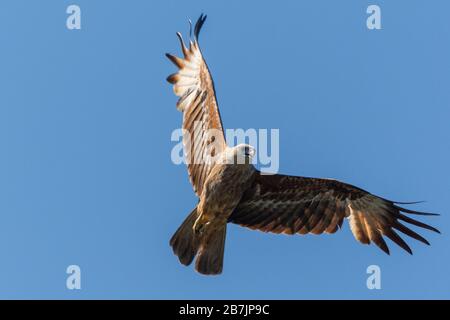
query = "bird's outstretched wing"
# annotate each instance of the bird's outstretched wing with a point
(288, 204)
(201, 118)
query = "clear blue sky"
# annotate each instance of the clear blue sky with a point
(85, 123)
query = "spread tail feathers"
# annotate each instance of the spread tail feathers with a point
(210, 256)
(184, 242)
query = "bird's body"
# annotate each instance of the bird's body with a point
(231, 190)
(223, 189)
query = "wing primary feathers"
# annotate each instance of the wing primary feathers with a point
(416, 223)
(379, 241)
(175, 60)
(391, 234)
(420, 213)
(198, 25)
(412, 202)
(400, 202)
(400, 227)
(395, 203)
(183, 46)
(190, 29)
(173, 78)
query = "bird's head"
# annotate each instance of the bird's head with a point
(242, 154)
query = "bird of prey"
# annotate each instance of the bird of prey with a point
(232, 190)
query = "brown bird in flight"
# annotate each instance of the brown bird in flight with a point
(230, 189)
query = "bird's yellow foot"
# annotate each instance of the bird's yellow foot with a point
(199, 226)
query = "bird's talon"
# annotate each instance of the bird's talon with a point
(199, 227)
